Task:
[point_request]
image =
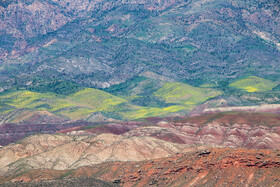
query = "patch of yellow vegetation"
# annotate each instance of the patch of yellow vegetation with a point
(143, 112)
(75, 113)
(251, 89)
(89, 100)
(58, 104)
(22, 99)
(185, 94)
(254, 84)
(139, 113)
(96, 99)
(74, 106)
(174, 108)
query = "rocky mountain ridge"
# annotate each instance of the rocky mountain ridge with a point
(102, 43)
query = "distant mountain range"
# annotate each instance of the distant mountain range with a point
(131, 59)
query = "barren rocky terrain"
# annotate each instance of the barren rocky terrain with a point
(62, 152)
(211, 167)
(165, 152)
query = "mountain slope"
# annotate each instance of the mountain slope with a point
(132, 102)
(140, 52)
(184, 94)
(254, 84)
(103, 43)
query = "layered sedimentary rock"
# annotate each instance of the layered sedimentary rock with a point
(62, 152)
(206, 167)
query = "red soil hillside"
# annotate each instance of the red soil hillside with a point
(212, 167)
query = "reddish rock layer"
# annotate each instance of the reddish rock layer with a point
(250, 118)
(213, 167)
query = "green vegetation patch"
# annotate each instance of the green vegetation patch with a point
(254, 84)
(185, 94)
(172, 98)
(56, 86)
(73, 106)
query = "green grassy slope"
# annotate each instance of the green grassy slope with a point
(185, 94)
(138, 98)
(174, 97)
(170, 97)
(73, 106)
(254, 84)
(139, 91)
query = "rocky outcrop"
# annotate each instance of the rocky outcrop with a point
(219, 167)
(205, 167)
